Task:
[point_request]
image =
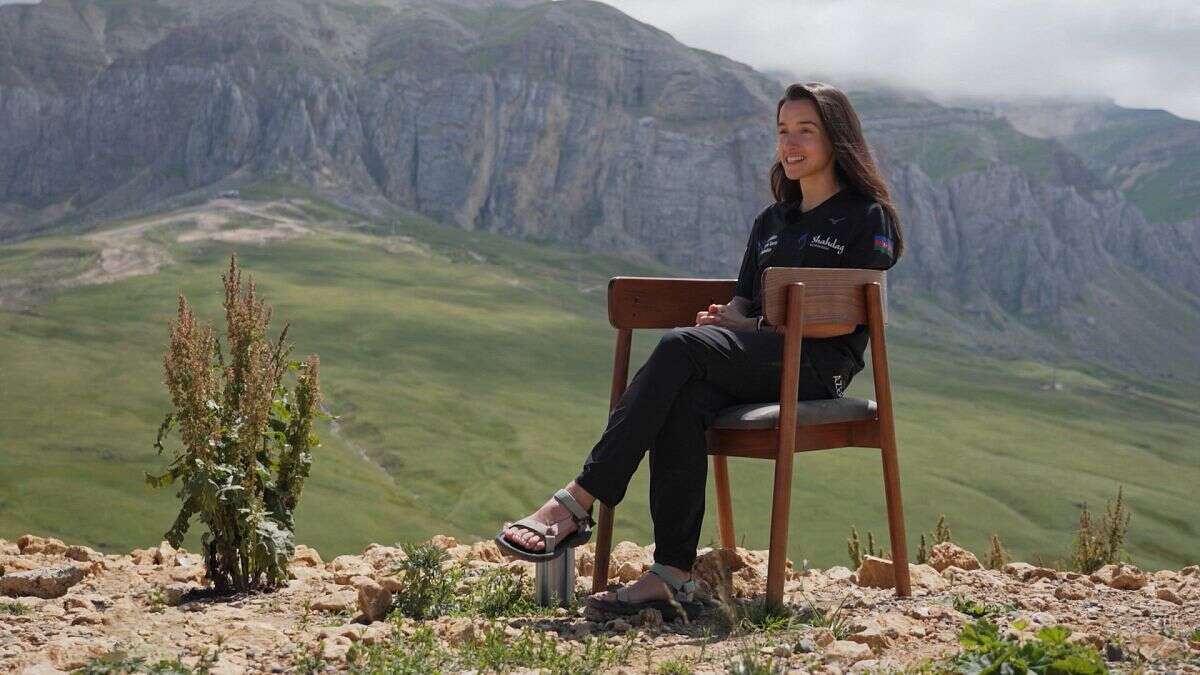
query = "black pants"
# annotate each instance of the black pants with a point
(673, 398)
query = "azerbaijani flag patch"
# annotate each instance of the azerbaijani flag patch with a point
(884, 245)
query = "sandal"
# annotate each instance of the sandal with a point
(554, 548)
(684, 600)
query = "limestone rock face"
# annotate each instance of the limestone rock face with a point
(563, 121)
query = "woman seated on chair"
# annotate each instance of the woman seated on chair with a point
(832, 209)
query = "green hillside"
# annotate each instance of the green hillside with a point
(471, 376)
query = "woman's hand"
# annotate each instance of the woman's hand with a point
(724, 315)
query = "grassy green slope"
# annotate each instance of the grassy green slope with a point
(474, 370)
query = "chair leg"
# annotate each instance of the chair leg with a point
(891, 487)
(724, 501)
(604, 531)
(781, 504)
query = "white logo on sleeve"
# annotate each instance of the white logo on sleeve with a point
(828, 243)
(768, 245)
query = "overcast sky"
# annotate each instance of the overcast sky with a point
(1143, 54)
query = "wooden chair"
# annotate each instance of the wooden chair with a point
(798, 302)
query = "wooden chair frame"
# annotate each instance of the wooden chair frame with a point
(798, 301)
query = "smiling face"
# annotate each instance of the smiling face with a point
(804, 148)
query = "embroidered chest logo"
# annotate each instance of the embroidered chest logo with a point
(768, 245)
(828, 243)
(835, 221)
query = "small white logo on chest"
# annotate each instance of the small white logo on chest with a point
(828, 243)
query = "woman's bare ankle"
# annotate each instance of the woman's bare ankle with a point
(582, 496)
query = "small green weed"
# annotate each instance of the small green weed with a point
(493, 651)
(979, 610)
(311, 660)
(673, 667)
(985, 651)
(750, 662)
(500, 592)
(13, 608)
(430, 590)
(1100, 544)
(433, 589)
(120, 662)
(156, 599)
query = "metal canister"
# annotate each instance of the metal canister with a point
(554, 580)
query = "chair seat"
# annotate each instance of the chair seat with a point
(821, 411)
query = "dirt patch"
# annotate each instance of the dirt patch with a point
(129, 251)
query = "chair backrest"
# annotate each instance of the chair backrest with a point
(831, 295)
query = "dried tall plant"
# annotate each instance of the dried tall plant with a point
(246, 440)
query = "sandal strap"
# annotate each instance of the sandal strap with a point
(580, 514)
(684, 589)
(538, 528)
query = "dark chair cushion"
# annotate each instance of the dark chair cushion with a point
(821, 411)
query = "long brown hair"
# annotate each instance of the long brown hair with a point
(853, 163)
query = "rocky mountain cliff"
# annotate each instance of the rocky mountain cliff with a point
(569, 122)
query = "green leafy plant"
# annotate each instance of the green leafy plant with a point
(499, 592)
(156, 600)
(120, 662)
(246, 440)
(673, 667)
(1100, 544)
(979, 610)
(430, 590)
(749, 662)
(986, 651)
(492, 651)
(13, 608)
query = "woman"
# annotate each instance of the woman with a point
(832, 209)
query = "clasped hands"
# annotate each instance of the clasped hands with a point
(724, 315)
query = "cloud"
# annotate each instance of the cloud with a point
(1140, 54)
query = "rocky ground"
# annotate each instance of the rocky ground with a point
(69, 605)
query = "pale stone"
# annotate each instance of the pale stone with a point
(1152, 646)
(46, 582)
(846, 650)
(1029, 573)
(1168, 595)
(1122, 577)
(83, 554)
(308, 557)
(335, 601)
(1073, 591)
(877, 573)
(443, 542)
(30, 544)
(374, 601)
(164, 554)
(948, 553)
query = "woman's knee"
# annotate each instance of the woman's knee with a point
(678, 338)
